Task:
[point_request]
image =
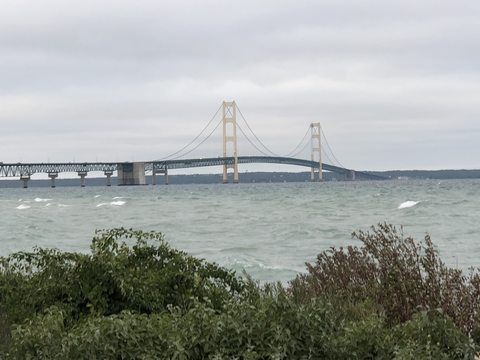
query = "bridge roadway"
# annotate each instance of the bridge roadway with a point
(190, 163)
(25, 170)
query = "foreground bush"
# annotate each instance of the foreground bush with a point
(398, 274)
(134, 297)
(273, 327)
(145, 277)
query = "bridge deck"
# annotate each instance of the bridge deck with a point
(218, 161)
(27, 169)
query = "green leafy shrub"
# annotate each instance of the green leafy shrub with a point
(432, 335)
(271, 327)
(145, 277)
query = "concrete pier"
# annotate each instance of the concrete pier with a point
(82, 175)
(25, 179)
(351, 175)
(53, 176)
(163, 172)
(131, 173)
(108, 174)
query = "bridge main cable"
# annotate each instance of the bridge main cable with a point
(331, 151)
(293, 153)
(201, 142)
(195, 139)
(261, 142)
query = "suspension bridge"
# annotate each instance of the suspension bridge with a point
(134, 173)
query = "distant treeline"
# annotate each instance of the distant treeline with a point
(431, 174)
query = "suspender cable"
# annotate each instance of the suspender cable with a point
(195, 139)
(331, 151)
(256, 137)
(198, 145)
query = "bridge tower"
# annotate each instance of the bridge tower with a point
(316, 147)
(230, 136)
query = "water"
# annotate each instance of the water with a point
(270, 230)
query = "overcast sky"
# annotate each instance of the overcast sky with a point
(395, 84)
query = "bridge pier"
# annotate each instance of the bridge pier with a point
(108, 174)
(52, 176)
(154, 175)
(25, 179)
(82, 175)
(316, 175)
(225, 175)
(314, 178)
(131, 173)
(351, 175)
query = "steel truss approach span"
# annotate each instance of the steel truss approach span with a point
(27, 169)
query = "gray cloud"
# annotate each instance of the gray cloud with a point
(395, 84)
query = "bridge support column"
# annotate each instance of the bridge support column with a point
(154, 175)
(230, 117)
(131, 173)
(53, 176)
(82, 175)
(351, 175)
(225, 174)
(108, 174)
(24, 179)
(316, 147)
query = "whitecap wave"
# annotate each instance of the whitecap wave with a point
(96, 196)
(408, 204)
(48, 204)
(117, 197)
(251, 263)
(113, 203)
(117, 203)
(23, 207)
(42, 200)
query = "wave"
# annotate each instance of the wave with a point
(113, 203)
(408, 204)
(42, 200)
(248, 263)
(23, 207)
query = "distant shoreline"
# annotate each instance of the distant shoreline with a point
(256, 177)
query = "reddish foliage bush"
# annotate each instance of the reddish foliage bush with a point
(397, 273)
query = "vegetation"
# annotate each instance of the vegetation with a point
(135, 297)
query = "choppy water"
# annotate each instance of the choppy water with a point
(270, 230)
